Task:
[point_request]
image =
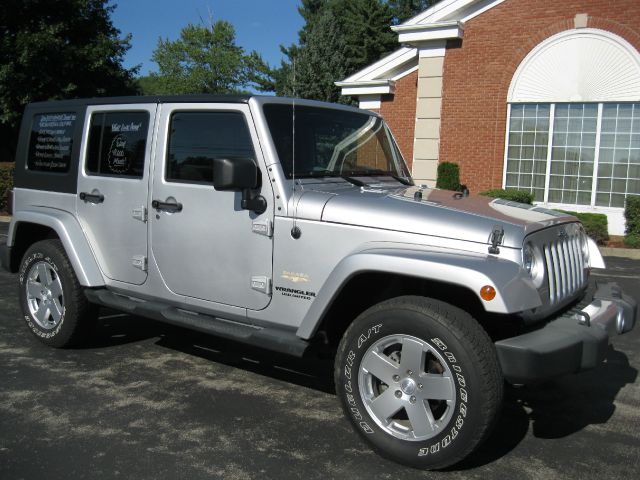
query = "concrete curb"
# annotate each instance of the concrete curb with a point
(4, 219)
(632, 253)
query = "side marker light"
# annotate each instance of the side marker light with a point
(488, 293)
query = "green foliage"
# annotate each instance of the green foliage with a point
(6, 183)
(57, 49)
(448, 176)
(338, 39)
(632, 240)
(205, 60)
(632, 214)
(596, 225)
(511, 194)
(403, 10)
(632, 217)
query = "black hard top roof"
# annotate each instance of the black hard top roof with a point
(204, 98)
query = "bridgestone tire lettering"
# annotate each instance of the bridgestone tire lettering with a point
(78, 316)
(465, 351)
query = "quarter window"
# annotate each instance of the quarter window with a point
(117, 144)
(196, 138)
(51, 141)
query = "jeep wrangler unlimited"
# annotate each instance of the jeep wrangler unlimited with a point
(287, 224)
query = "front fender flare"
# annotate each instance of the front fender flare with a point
(515, 290)
(70, 233)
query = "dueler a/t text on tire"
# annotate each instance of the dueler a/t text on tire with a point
(420, 381)
(53, 302)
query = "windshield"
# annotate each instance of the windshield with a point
(331, 142)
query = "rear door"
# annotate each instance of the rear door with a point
(204, 244)
(113, 188)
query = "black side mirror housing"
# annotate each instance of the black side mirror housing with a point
(235, 174)
(239, 175)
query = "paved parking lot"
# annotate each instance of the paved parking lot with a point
(146, 400)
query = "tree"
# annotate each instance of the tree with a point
(206, 60)
(323, 57)
(337, 39)
(53, 49)
(403, 10)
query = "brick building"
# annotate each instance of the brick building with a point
(539, 95)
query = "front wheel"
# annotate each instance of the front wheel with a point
(420, 381)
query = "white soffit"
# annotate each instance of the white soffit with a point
(580, 65)
(381, 69)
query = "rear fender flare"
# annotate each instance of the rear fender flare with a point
(72, 237)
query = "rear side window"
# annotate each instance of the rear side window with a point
(117, 144)
(196, 138)
(50, 142)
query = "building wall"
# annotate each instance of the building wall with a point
(478, 71)
(399, 111)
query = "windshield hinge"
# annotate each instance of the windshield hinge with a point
(497, 235)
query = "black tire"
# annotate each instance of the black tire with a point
(53, 302)
(457, 379)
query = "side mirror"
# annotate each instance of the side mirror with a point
(239, 175)
(235, 175)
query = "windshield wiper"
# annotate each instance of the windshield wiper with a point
(332, 174)
(377, 171)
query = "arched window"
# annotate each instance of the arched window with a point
(573, 126)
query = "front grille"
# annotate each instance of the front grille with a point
(565, 265)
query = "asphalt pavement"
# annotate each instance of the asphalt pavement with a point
(150, 401)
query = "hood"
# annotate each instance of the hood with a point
(440, 213)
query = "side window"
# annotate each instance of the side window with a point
(117, 143)
(196, 138)
(50, 142)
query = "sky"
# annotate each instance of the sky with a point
(261, 25)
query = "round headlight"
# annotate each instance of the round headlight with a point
(584, 246)
(532, 263)
(529, 259)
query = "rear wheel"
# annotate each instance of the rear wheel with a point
(53, 303)
(420, 381)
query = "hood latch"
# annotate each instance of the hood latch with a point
(497, 235)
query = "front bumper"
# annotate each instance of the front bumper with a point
(573, 342)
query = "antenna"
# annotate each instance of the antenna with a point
(295, 231)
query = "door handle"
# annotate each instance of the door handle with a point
(91, 197)
(169, 207)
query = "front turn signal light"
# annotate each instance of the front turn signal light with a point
(488, 293)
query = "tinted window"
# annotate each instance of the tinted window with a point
(196, 138)
(117, 143)
(50, 143)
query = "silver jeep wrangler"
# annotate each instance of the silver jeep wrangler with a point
(295, 226)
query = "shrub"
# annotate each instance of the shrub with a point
(595, 224)
(6, 183)
(511, 194)
(632, 218)
(632, 215)
(448, 176)
(632, 240)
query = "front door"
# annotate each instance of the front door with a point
(113, 188)
(203, 243)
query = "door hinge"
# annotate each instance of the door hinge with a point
(261, 283)
(263, 227)
(140, 213)
(139, 262)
